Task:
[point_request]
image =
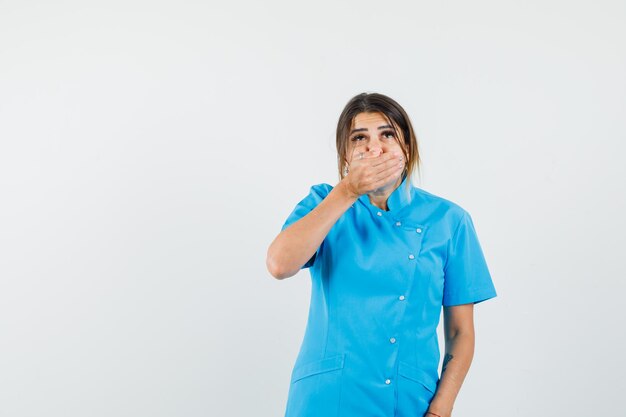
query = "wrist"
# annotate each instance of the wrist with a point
(437, 413)
(346, 192)
(434, 414)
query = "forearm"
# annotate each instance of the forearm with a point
(295, 245)
(459, 352)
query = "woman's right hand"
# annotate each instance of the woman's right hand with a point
(372, 171)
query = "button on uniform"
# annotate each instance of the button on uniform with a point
(401, 298)
(392, 340)
(387, 381)
(411, 256)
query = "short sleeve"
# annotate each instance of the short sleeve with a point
(316, 194)
(466, 276)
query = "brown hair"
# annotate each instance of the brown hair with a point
(395, 115)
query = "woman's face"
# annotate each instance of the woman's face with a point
(372, 131)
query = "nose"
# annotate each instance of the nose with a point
(376, 145)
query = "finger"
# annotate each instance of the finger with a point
(388, 174)
(375, 171)
(384, 176)
(355, 155)
(387, 159)
(381, 183)
(386, 165)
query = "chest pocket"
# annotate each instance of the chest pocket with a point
(412, 234)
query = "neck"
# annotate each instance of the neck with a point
(379, 196)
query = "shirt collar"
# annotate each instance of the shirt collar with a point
(397, 200)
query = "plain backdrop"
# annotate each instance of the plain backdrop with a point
(151, 150)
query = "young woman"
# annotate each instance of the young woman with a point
(385, 257)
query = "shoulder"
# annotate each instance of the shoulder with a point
(320, 190)
(315, 193)
(450, 212)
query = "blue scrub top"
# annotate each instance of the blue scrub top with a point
(378, 283)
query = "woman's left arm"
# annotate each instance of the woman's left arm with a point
(458, 323)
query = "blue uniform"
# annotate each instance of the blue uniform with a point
(378, 283)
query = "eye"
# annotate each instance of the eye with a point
(356, 138)
(389, 134)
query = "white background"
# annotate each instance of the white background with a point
(151, 150)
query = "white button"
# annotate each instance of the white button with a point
(418, 230)
(387, 381)
(401, 298)
(392, 340)
(411, 256)
(379, 213)
(398, 224)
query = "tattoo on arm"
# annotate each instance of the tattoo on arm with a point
(446, 359)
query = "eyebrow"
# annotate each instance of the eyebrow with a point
(362, 129)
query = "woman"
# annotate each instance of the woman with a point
(385, 257)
